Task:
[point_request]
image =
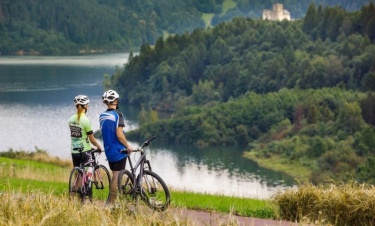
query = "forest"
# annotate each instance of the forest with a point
(301, 91)
(91, 26)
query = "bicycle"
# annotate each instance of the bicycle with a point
(146, 185)
(100, 179)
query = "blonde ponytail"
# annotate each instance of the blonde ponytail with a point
(80, 109)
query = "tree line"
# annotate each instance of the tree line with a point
(278, 88)
(216, 64)
(55, 28)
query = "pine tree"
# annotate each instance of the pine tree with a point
(311, 20)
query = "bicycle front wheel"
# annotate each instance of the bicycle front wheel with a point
(101, 183)
(154, 191)
(75, 183)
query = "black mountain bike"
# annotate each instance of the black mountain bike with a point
(98, 186)
(142, 183)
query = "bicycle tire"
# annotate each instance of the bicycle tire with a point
(155, 192)
(125, 185)
(75, 182)
(128, 196)
(101, 183)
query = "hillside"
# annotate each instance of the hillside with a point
(330, 47)
(86, 26)
(301, 92)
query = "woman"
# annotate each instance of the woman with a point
(81, 133)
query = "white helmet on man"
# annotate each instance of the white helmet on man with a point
(81, 100)
(109, 96)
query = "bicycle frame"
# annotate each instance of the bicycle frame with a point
(82, 171)
(78, 181)
(140, 163)
(144, 183)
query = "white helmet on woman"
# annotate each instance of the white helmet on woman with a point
(81, 100)
(109, 96)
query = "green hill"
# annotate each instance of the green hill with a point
(297, 91)
(86, 26)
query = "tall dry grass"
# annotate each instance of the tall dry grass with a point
(35, 208)
(39, 155)
(335, 204)
(29, 169)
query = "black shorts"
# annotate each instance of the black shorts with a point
(117, 166)
(78, 158)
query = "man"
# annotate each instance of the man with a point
(114, 140)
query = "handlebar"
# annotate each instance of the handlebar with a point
(92, 150)
(96, 151)
(146, 143)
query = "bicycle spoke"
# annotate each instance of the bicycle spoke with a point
(127, 196)
(101, 181)
(154, 191)
(149, 186)
(75, 180)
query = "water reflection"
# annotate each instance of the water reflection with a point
(91, 60)
(214, 178)
(222, 162)
(36, 100)
(36, 79)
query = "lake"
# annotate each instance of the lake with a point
(36, 101)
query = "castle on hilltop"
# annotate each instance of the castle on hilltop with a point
(277, 13)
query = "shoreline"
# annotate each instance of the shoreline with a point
(277, 163)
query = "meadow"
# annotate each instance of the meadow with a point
(34, 191)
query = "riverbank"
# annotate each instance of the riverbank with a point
(277, 163)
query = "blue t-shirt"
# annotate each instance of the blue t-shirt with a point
(109, 121)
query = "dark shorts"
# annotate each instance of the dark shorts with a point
(78, 158)
(117, 166)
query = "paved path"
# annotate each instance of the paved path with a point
(201, 218)
(188, 217)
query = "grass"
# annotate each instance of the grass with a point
(224, 204)
(36, 208)
(207, 17)
(35, 193)
(227, 5)
(334, 204)
(31, 175)
(277, 163)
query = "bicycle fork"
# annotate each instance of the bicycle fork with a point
(97, 179)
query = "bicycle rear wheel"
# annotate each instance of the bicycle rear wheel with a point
(154, 191)
(75, 183)
(101, 183)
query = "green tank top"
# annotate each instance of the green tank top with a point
(79, 131)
